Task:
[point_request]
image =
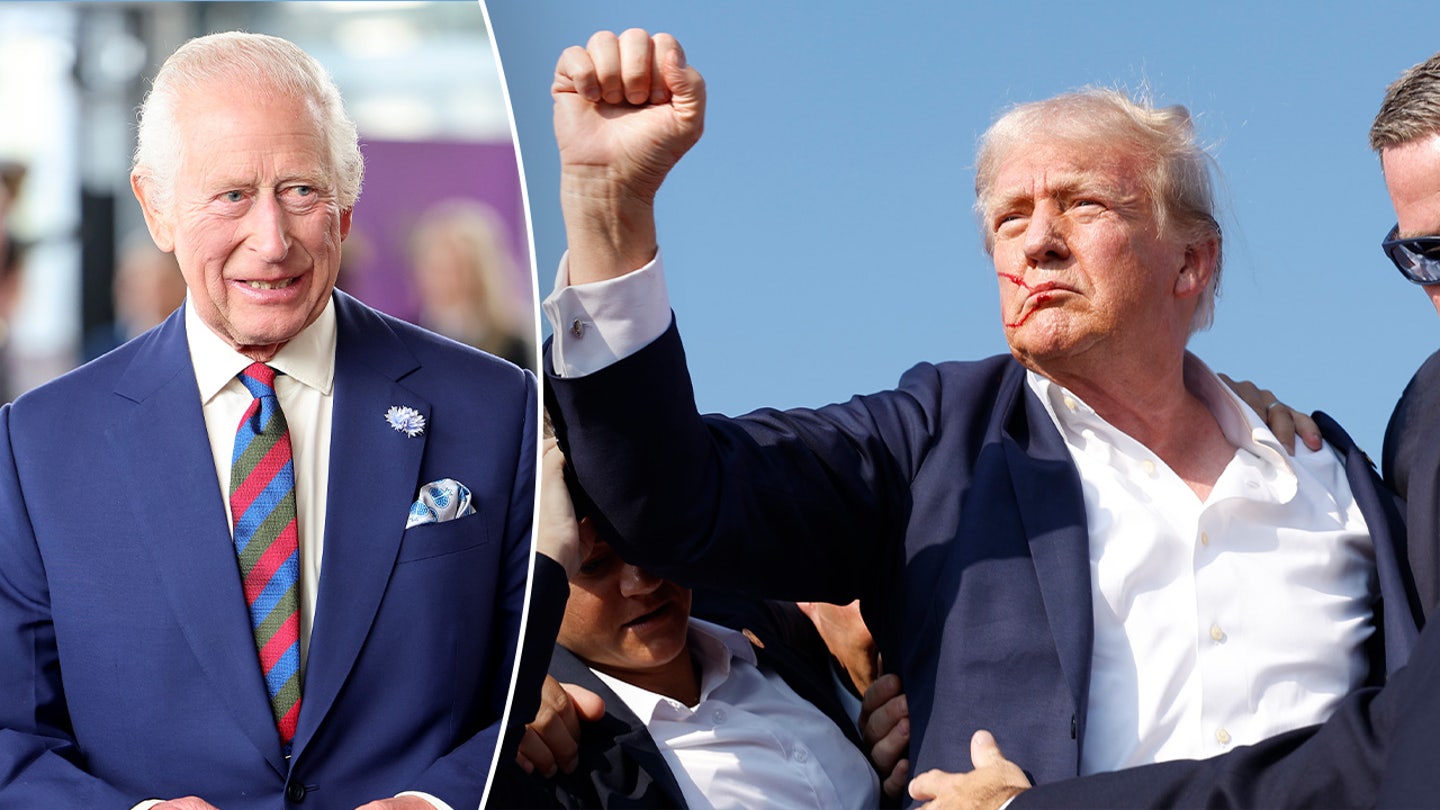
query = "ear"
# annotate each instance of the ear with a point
(1198, 269)
(156, 220)
(345, 223)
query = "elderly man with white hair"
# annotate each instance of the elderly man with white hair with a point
(1088, 546)
(274, 550)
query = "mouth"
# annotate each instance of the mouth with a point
(650, 616)
(278, 284)
(1036, 297)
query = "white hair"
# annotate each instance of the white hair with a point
(240, 62)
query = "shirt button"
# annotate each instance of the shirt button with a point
(1148, 466)
(1070, 403)
(801, 755)
(1223, 737)
(577, 328)
(1252, 484)
(1204, 538)
(719, 716)
(1217, 634)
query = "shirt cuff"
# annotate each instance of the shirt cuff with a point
(601, 323)
(439, 805)
(147, 804)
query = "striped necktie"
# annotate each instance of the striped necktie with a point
(262, 505)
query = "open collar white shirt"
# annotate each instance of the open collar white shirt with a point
(1223, 622)
(750, 741)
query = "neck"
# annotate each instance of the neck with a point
(677, 679)
(1152, 405)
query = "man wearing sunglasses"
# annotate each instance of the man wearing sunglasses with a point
(1377, 750)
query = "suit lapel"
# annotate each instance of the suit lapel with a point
(162, 442)
(373, 479)
(636, 770)
(1052, 509)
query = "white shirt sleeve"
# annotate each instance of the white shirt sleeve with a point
(599, 324)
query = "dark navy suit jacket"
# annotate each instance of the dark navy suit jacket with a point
(950, 506)
(127, 665)
(1411, 464)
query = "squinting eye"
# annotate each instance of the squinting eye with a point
(234, 196)
(304, 191)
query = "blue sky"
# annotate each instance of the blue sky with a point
(819, 239)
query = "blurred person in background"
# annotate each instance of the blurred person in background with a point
(466, 281)
(147, 287)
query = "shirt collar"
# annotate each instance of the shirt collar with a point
(712, 646)
(308, 358)
(1242, 426)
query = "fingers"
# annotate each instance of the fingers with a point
(588, 705)
(552, 741)
(631, 68)
(984, 751)
(894, 784)
(1306, 429)
(929, 784)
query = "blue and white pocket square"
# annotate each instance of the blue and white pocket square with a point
(440, 501)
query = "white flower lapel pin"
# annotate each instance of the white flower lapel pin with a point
(406, 420)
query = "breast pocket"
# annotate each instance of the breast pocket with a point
(430, 540)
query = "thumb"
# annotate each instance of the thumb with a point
(687, 86)
(588, 705)
(984, 752)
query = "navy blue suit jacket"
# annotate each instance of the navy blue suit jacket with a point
(950, 506)
(1411, 464)
(127, 665)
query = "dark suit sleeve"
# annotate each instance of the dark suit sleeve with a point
(1411, 464)
(549, 591)
(460, 777)
(790, 505)
(40, 763)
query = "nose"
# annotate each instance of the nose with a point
(269, 236)
(1044, 237)
(636, 581)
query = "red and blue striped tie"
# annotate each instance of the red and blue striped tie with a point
(262, 505)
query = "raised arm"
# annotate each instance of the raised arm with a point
(627, 108)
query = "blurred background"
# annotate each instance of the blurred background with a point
(439, 233)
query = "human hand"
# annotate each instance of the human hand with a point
(627, 108)
(398, 803)
(186, 803)
(1285, 422)
(993, 782)
(552, 740)
(848, 638)
(885, 729)
(557, 532)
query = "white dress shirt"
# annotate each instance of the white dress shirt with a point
(1223, 622)
(1273, 575)
(306, 394)
(750, 741)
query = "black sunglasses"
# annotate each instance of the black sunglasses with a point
(1417, 258)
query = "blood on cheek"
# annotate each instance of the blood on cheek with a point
(1026, 312)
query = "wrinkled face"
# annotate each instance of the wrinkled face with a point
(253, 220)
(1081, 263)
(622, 620)
(1412, 176)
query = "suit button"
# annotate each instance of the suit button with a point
(295, 792)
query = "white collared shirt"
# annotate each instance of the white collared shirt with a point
(306, 394)
(307, 397)
(750, 741)
(1218, 623)
(1273, 575)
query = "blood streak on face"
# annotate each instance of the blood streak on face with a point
(1038, 294)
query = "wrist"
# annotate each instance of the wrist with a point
(609, 227)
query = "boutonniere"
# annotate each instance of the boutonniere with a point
(406, 419)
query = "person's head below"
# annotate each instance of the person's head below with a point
(1099, 214)
(628, 623)
(248, 169)
(1406, 134)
